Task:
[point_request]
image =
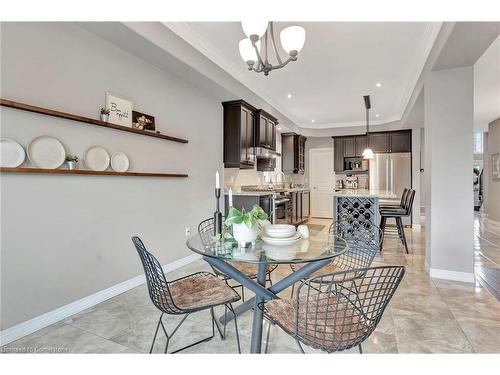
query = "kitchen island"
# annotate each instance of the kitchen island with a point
(358, 204)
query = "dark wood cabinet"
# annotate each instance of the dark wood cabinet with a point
(349, 147)
(239, 125)
(360, 145)
(305, 205)
(379, 142)
(265, 130)
(293, 151)
(338, 155)
(248, 201)
(400, 141)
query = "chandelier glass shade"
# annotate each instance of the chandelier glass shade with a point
(256, 50)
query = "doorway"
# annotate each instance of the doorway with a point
(322, 182)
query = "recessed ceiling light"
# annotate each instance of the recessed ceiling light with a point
(377, 115)
(279, 128)
(313, 121)
(378, 84)
(289, 96)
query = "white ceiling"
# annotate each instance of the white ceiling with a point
(487, 87)
(340, 62)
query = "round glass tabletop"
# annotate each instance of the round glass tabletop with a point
(317, 247)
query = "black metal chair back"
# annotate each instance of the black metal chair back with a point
(206, 232)
(157, 283)
(408, 205)
(403, 197)
(339, 311)
(364, 240)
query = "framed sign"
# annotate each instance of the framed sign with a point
(120, 109)
(495, 166)
(143, 121)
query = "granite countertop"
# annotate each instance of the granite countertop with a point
(263, 193)
(383, 194)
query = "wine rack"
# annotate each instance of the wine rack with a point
(356, 208)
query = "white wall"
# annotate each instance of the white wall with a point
(66, 237)
(448, 143)
(416, 175)
(493, 186)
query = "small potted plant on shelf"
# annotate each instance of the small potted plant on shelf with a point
(104, 114)
(245, 224)
(72, 160)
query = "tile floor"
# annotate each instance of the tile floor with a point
(425, 316)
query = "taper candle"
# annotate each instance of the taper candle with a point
(230, 197)
(217, 185)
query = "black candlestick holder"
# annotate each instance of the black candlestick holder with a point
(217, 214)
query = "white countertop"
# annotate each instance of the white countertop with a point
(382, 194)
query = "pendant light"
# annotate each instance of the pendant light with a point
(367, 152)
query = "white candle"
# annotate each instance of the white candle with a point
(230, 197)
(217, 185)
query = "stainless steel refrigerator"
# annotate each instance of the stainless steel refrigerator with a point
(391, 172)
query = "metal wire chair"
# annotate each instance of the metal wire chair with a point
(206, 232)
(196, 292)
(363, 239)
(337, 311)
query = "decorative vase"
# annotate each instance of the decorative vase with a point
(243, 235)
(71, 165)
(104, 118)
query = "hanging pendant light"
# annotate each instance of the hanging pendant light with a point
(261, 39)
(367, 152)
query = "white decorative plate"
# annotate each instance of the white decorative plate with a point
(11, 153)
(96, 158)
(119, 162)
(281, 241)
(46, 152)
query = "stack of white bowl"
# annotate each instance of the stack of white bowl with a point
(280, 234)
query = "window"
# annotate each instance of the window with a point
(478, 143)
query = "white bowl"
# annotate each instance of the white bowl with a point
(280, 231)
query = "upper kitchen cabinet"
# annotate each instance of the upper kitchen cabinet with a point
(293, 153)
(360, 144)
(338, 152)
(400, 141)
(265, 130)
(379, 142)
(239, 125)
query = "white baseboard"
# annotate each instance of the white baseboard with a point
(23, 329)
(466, 277)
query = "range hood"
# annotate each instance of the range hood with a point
(264, 153)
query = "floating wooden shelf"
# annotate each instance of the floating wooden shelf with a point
(87, 172)
(86, 120)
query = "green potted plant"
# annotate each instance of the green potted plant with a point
(104, 114)
(72, 160)
(245, 224)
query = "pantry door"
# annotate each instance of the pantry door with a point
(321, 177)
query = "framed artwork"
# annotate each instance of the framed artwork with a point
(120, 109)
(143, 121)
(495, 166)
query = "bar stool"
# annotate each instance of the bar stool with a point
(401, 203)
(398, 213)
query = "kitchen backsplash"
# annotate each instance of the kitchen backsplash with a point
(235, 178)
(363, 180)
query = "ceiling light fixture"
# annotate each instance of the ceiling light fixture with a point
(367, 152)
(289, 96)
(255, 49)
(378, 84)
(377, 115)
(313, 121)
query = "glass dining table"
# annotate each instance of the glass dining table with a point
(315, 253)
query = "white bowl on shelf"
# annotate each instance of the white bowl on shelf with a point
(280, 231)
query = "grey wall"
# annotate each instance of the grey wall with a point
(66, 237)
(448, 168)
(493, 190)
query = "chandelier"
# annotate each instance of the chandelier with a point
(256, 50)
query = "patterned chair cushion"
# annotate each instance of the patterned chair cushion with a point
(201, 290)
(321, 323)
